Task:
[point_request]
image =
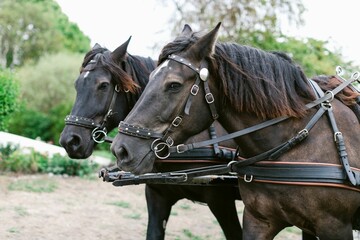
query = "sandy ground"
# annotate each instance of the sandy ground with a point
(91, 209)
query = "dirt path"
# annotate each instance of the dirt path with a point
(91, 209)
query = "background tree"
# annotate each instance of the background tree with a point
(258, 23)
(30, 28)
(47, 94)
(237, 17)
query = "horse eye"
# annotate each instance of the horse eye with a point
(103, 86)
(174, 86)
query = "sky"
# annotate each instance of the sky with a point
(112, 22)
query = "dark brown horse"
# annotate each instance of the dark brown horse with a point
(107, 88)
(300, 145)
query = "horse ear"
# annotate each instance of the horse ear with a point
(187, 31)
(205, 46)
(119, 54)
(96, 46)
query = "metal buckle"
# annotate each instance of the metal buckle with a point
(183, 175)
(194, 89)
(178, 150)
(176, 122)
(170, 141)
(209, 98)
(336, 134)
(248, 180)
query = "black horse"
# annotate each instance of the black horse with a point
(107, 88)
(300, 144)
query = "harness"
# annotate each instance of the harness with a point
(292, 172)
(99, 130)
(204, 155)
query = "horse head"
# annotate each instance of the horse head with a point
(163, 115)
(103, 91)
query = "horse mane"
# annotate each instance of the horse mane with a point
(140, 68)
(267, 84)
(347, 96)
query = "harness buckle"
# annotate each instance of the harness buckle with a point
(337, 135)
(181, 148)
(209, 98)
(170, 141)
(176, 122)
(326, 105)
(248, 180)
(184, 176)
(194, 89)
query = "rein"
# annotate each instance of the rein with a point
(161, 143)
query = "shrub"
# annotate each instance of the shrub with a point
(34, 162)
(8, 96)
(31, 124)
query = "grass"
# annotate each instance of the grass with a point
(185, 206)
(35, 185)
(121, 204)
(13, 230)
(21, 211)
(133, 216)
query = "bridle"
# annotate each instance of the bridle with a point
(99, 130)
(163, 142)
(162, 146)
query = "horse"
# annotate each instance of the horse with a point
(107, 88)
(298, 145)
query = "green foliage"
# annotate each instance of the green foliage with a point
(8, 96)
(31, 28)
(63, 165)
(311, 54)
(47, 95)
(236, 17)
(31, 124)
(258, 24)
(7, 150)
(50, 82)
(35, 162)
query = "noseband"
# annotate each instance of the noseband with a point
(162, 143)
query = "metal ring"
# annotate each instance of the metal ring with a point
(332, 95)
(155, 142)
(355, 76)
(98, 135)
(117, 88)
(339, 70)
(163, 146)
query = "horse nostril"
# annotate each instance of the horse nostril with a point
(122, 153)
(74, 140)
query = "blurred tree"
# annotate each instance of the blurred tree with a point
(258, 23)
(237, 17)
(47, 93)
(8, 97)
(49, 82)
(30, 28)
(311, 54)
